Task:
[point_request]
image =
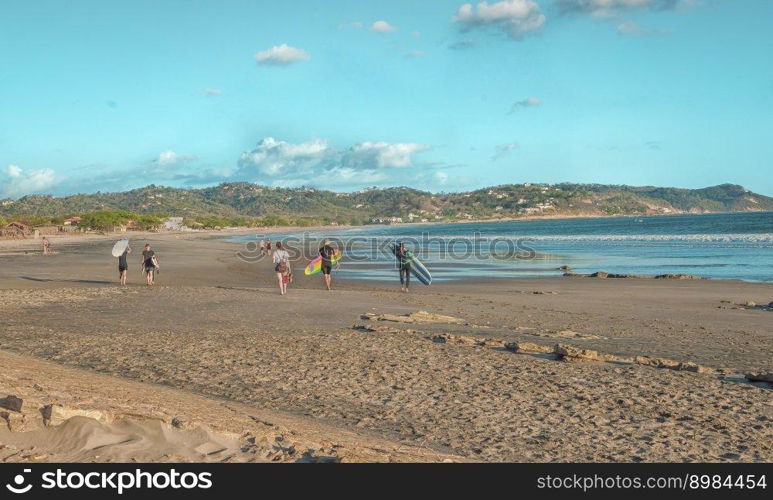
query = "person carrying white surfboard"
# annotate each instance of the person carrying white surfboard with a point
(123, 265)
(327, 252)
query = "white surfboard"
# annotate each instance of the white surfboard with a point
(120, 247)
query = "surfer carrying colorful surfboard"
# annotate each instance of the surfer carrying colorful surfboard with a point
(327, 252)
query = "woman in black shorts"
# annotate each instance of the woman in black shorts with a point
(327, 252)
(123, 265)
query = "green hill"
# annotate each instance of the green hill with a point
(245, 200)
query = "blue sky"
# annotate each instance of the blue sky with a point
(433, 94)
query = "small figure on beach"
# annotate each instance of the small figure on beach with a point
(327, 252)
(404, 266)
(268, 247)
(282, 268)
(262, 247)
(46, 246)
(149, 264)
(123, 265)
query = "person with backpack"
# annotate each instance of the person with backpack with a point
(149, 264)
(281, 261)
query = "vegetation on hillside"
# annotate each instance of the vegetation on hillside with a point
(252, 205)
(105, 220)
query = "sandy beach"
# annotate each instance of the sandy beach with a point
(213, 364)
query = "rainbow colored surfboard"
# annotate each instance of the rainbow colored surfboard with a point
(315, 265)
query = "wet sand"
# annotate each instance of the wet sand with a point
(214, 327)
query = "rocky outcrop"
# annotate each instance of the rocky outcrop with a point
(443, 338)
(529, 347)
(54, 414)
(760, 377)
(670, 364)
(605, 275)
(417, 317)
(571, 353)
(381, 329)
(747, 304)
(11, 402)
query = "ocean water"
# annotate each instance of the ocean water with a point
(719, 246)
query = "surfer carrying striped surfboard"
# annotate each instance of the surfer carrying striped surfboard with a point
(408, 265)
(404, 265)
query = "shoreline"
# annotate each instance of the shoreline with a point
(31, 247)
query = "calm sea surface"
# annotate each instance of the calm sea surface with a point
(721, 246)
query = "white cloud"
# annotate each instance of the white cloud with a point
(503, 150)
(211, 92)
(278, 158)
(415, 53)
(315, 162)
(168, 157)
(416, 34)
(529, 102)
(383, 154)
(606, 8)
(382, 27)
(281, 55)
(13, 171)
(16, 182)
(515, 17)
